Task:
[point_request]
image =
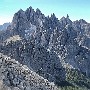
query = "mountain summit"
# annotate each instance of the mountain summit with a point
(57, 50)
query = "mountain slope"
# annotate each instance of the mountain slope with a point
(14, 75)
(54, 49)
(4, 26)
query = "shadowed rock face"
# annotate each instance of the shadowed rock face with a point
(47, 45)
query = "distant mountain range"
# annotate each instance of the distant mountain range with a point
(56, 50)
(4, 26)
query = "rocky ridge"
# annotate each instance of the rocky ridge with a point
(49, 46)
(15, 76)
(4, 26)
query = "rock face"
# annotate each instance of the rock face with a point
(48, 46)
(15, 76)
(4, 26)
(45, 63)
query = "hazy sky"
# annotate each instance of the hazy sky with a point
(77, 9)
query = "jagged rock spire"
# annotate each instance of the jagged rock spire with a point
(38, 11)
(67, 16)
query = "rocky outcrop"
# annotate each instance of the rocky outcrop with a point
(4, 26)
(47, 45)
(15, 76)
(45, 63)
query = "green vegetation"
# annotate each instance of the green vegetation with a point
(75, 80)
(79, 80)
(73, 88)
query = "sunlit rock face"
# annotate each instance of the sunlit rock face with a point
(47, 45)
(4, 26)
(15, 76)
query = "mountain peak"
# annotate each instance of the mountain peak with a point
(53, 15)
(20, 11)
(57, 50)
(38, 10)
(65, 20)
(30, 9)
(82, 21)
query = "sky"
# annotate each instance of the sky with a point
(76, 9)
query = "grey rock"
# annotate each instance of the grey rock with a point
(4, 26)
(47, 46)
(34, 81)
